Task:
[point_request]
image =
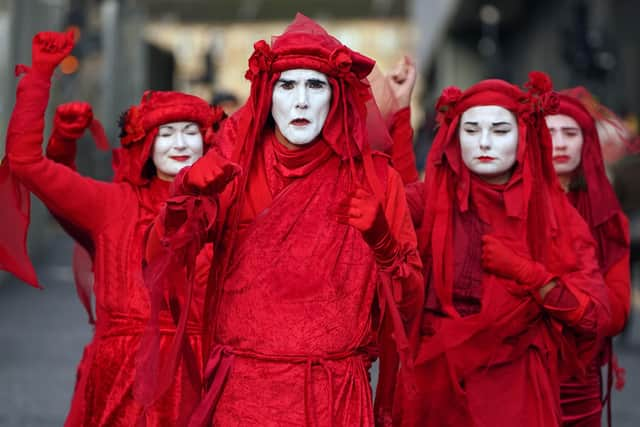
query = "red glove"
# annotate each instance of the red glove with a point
(500, 260)
(48, 49)
(210, 174)
(69, 123)
(362, 210)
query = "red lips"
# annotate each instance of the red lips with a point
(300, 122)
(180, 158)
(486, 158)
(561, 159)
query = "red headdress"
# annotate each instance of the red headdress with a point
(590, 190)
(353, 124)
(528, 196)
(139, 127)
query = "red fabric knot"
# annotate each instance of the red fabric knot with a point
(21, 69)
(446, 104)
(133, 129)
(261, 59)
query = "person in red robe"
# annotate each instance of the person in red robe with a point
(577, 159)
(315, 259)
(165, 132)
(512, 276)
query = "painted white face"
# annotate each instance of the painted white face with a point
(567, 139)
(178, 144)
(301, 102)
(489, 142)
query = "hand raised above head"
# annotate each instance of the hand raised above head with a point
(48, 49)
(402, 79)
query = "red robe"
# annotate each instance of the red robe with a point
(297, 314)
(505, 346)
(116, 217)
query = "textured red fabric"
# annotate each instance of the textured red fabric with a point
(404, 158)
(295, 297)
(116, 216)
(487, 338)
(592, 195)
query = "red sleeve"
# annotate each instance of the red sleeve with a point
(402, 154)
(579, 299)
(407, 289)
(62, 150)
(416, 202)
(84, 202)
(618, 281)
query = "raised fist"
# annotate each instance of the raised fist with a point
(72, 119)
(402, 79)
(48, 49)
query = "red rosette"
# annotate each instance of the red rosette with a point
(261, 59)
(133, 129)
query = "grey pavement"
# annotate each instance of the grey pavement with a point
(42, 334)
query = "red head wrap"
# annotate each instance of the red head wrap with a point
(590, 190)
(139, 127)
(448, 180)
(306, 45)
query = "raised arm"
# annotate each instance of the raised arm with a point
(76, 199)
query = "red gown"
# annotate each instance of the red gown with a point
(116, 217)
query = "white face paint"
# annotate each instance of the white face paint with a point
(301, 101)
(489, 142)
(567, 139)
(178, 144)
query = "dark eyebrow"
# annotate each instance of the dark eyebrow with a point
(286, 81)
(166, 127)
(500, 123)
(317, 81)
(471, 123)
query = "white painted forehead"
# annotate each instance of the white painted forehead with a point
(303, 74)
(492, 112)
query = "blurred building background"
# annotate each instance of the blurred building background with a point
(202, 47)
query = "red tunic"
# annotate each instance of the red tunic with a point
(116, 217)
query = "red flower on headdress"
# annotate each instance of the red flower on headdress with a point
(133, 129)
(541, 97)
(447, 101)
(260, 60)
(213, 123)
(340, 60)
(539, 83)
